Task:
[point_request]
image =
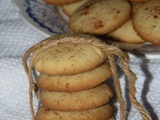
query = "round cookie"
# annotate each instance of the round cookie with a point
(126, 33)
(60, 2)
(100, 16)
(68, 59)
(101, 113)
(81, 100)
(76, 82)
(146, 21)
(68, 9)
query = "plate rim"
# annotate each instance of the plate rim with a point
(28, 20)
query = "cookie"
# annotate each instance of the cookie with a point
(146, 21)
(101, 113)
(68, 59)
(127, 34)
(100, 16)
(68, 9)
(81, 100)
(60, 2)
(76, 82)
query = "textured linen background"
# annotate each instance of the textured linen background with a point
(16, 37)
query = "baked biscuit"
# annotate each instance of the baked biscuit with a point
(81, 100)
(126, 33)
(68, 59)
(146, 21)
(60, 2)
(76, 82)
(101, 113)
(68, 9)
(100, 16)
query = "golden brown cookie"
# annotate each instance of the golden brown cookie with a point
(60, 2)
(127, 34)
(68, 59)
(101, 113)
(100, 16)
(68, 9)
(146, 21)
(76, 82)
(80, 100)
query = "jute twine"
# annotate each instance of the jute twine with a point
(110, 51)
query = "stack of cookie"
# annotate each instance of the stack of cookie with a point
(71, 83)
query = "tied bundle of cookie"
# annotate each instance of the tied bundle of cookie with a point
(129, 22)
(72, 69)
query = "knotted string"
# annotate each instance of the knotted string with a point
(110, 52)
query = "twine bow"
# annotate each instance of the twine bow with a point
(110, 52)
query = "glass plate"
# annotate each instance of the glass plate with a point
(49, 20)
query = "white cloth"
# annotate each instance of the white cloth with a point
(16, 37)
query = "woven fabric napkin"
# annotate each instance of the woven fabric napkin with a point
(16, 37)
